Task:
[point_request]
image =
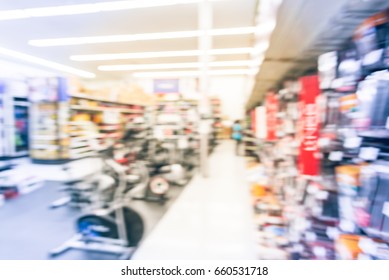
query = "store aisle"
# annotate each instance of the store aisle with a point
(212, 219)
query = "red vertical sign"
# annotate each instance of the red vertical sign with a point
(310, 121)
(253, 120)
(271, 116)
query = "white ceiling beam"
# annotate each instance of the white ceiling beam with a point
(92, 8)
(165, 66)
(162, 54)
(139, 37)
(45, 63)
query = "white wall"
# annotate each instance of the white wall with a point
(232, 91)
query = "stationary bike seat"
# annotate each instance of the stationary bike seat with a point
(133, 179)
(73, 182)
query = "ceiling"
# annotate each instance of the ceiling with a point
(15, 34)
(304, 30)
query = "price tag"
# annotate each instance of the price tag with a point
(158, 133)
(385, 209)
(317, 210)
(322, 142)
(298, 248)
(300, 224)
(369, 153)
(322, 195)
(111, 117)
(312, 189)
(347, 226)
(182, 143)
(332, 232)
(310, 236)
(319, 251)
(337, 83)
(352, 142)
(367, 245)
(335, 156)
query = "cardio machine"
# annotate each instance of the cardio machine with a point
(116, 229)
(150, 184)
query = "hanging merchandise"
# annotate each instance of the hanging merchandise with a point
(349, 70)
(373, 96)
(327, 68)
(372, 38)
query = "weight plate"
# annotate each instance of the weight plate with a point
(158, 185)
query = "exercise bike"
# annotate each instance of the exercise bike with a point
(86, 191)
(183, 159)
(149, 184)
(116, 229)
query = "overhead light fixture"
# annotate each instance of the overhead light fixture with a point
(187, 53)
(139, 37)
(166, 66)
(176, 74)
(46, 63)
(89, 8)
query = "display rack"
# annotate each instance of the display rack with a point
(63, 124)
(14, 116)
(250, 143)
(218, 128)
(323, 192)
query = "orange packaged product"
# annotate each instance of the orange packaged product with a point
(347, 246)
(258, 190)
(348, 174)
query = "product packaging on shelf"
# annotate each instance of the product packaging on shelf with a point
(371, 38)
(349, 70)
(327, 67)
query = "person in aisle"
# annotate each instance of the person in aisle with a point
(237, 135)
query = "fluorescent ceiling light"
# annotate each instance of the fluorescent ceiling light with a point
(230, 72)
(46, 63)
(139, 37)
(133, 67)
(94, 7)
(187, 53)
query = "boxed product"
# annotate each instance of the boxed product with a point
(372, 38)
(347, 246)
(347, 178)
(327, 65)
(349, 70)
(373, 99)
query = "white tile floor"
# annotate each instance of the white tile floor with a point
(212, 219)
(77, 169)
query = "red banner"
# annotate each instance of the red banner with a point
(253, 120)
(271, 116)
(310, 125)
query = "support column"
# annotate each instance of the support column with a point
(205, 19)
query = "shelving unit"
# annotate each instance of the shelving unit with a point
(64, 124)
(175, 117)
(217, 115)
(250, 143)
(14, 118)
(323, 187)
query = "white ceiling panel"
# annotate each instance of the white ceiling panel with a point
(15, 34)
